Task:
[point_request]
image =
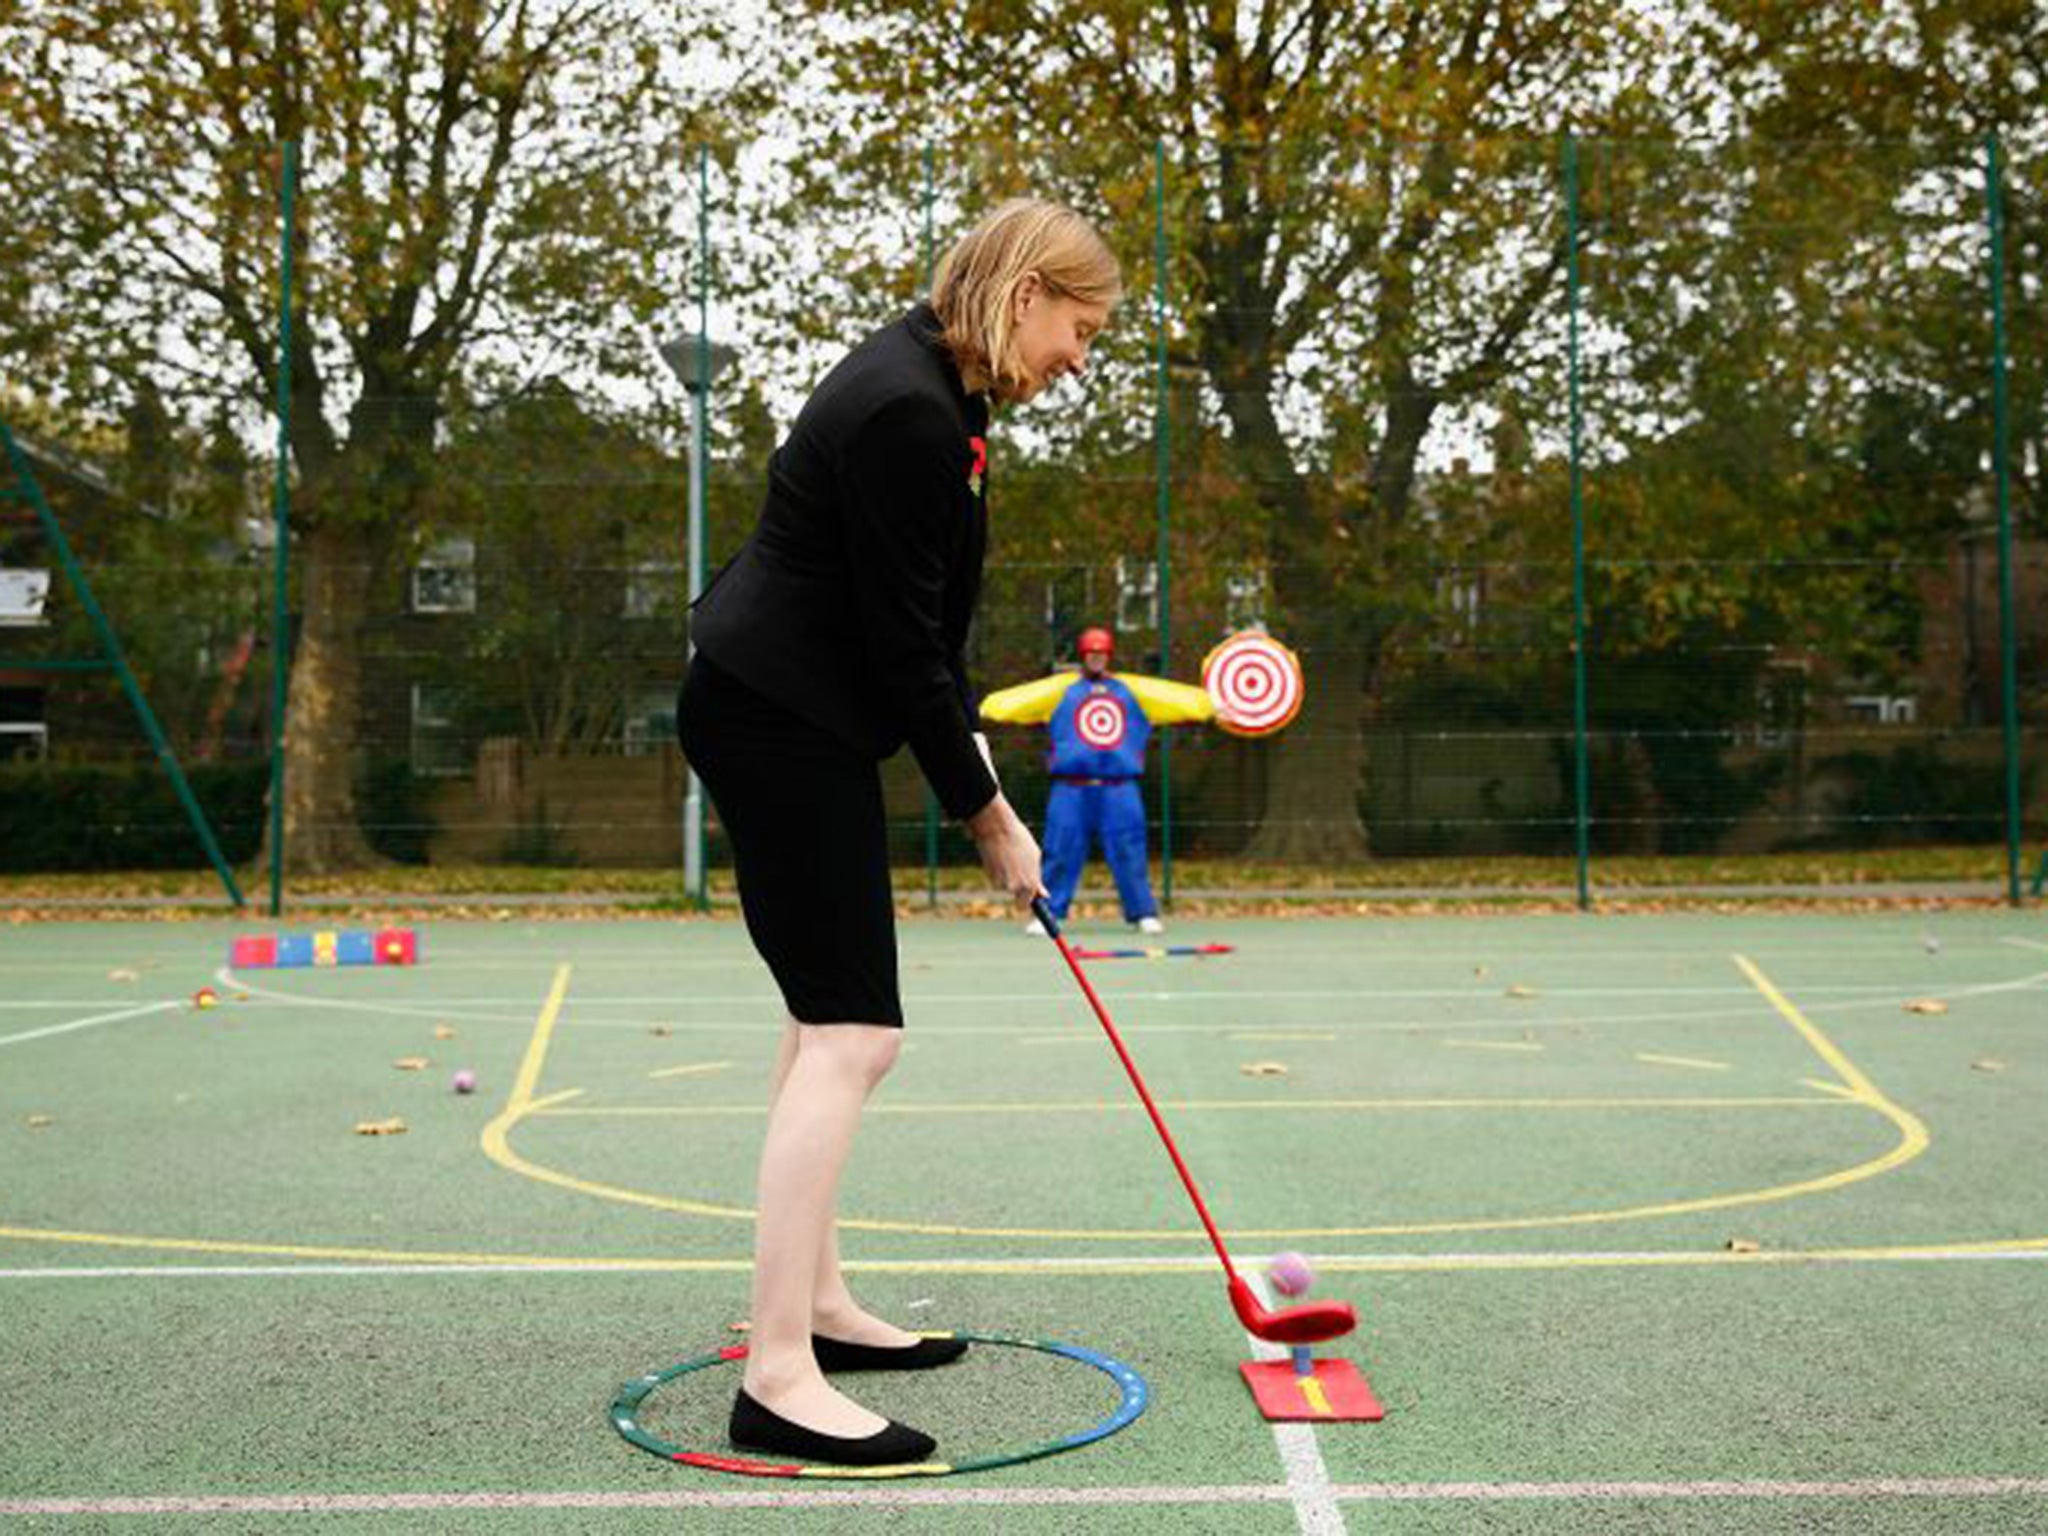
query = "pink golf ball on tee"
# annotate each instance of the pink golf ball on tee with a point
(1290, 1274)
(464, 1081)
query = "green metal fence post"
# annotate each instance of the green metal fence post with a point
(281, 507)
(2001, 429)
(931, 800)
(1162, 433)
(700, 442)
(1581, 787)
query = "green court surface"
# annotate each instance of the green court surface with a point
(1654, 1223)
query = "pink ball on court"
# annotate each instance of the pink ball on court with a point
(1290, 1274)
(464, 1081)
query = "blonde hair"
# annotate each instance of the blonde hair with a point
(976, 284)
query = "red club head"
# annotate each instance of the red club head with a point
(1309, 1323)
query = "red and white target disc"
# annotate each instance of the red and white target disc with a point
(1256, 683)
(1100, 722)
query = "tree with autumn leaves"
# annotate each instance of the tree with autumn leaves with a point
(1366, 221)
(1365, 218)
(480, 185)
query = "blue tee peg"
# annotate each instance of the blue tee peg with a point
(1304, 1360)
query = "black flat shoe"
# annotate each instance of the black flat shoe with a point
(754, 1428)
(922, 1356)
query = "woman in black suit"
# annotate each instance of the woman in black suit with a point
(836, 636)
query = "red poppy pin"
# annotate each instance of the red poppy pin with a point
(980, 447)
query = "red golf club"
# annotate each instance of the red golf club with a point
(1308, 1323)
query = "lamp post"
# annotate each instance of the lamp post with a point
(696, 360)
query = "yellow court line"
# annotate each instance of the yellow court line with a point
(537, 1047)
(1399, 1263)
(692, 1069)
(1490, 1045)
(1855, 1085)
(1823, 1047)
(496, 1138)
(1078, 1036)
(498, 1148)
(1855, 1089)
(330, 1252)
(542, 1109)
(1841, 1091)
(1656, 1059)
(1913, 1140)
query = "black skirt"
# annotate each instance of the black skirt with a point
(803, 812)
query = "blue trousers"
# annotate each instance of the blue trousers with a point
(1078, 815)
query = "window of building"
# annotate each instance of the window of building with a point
(436, 740)
(1883, 708)
(24, 740)
(22, 596)
(650, 722)
(1244, 599)
(1781, 704)
(654, 589)
(444, 581)
(1137, 595)
(1069, 608)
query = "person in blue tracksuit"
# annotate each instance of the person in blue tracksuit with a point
(1097, 758)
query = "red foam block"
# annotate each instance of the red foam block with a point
(397, 946)
(252, 951)
(1333, 1393)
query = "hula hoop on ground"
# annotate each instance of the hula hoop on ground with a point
(625, 1411)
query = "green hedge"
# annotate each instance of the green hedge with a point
(99, 818)
(89, 818)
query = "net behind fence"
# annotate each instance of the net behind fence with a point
(1622, 500)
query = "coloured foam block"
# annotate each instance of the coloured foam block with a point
(253, 951)
(327, 948)
(294, 949)
(397, 946)
(1332, 1393)
(355, 948)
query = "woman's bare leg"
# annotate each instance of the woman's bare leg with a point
(834, 1312)
(811, 1127)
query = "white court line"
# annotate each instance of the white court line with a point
(964, 1496)
(1316, 1509)
(1860, 994)
(1734, 1015)
(58, 1004)
(98, 1018)
(1129, 1265)
(1881, 991)
(228, 977)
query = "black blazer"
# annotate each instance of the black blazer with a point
(850, 602)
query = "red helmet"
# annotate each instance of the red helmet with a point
(1095, 638)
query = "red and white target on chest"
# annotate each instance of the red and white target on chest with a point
(1101, 722)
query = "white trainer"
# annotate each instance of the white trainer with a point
(1151, 925)
(1035, 929)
